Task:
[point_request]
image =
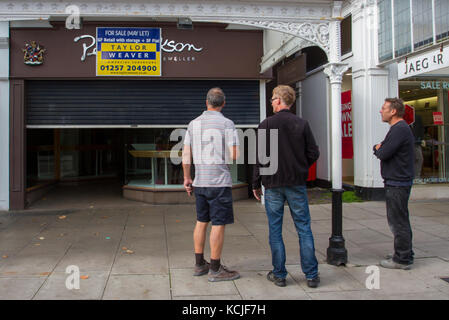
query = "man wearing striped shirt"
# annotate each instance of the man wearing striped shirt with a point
(212, 141)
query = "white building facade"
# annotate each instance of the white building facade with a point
(314, 23)
(384, 36)
(397, 49)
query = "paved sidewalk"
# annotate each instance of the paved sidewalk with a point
(146, 252)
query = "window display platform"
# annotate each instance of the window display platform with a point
(139, 190)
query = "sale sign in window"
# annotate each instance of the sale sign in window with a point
(346, 125)
(129, 52)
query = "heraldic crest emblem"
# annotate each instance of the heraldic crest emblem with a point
(34, 53)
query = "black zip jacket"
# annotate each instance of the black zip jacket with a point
(297, 151)
(397, 153)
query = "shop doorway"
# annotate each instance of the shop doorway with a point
(430, 102)
(76, 162)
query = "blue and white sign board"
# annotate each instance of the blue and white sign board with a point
(128, 51)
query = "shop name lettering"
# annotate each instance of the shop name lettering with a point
(423, 64)
(167, 46)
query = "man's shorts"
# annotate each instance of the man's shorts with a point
(214, 204)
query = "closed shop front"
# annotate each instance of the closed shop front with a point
(70, 124)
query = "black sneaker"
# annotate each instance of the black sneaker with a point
(313, 283)
(280, 282)
(223, 274)
(202, 269)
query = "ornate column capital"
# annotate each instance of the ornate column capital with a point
(335, 71)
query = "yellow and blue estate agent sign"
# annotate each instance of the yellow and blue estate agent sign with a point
(128, 51)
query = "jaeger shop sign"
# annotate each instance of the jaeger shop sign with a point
(426, 62)
(207, 52)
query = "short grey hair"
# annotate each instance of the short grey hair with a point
(216, 97)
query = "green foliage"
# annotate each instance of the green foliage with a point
(350, 196)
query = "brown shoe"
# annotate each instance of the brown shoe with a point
(223, 274)
(202, 269)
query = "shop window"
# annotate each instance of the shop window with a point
(402, 31)
(442, 19)
(40, 157)
(422, 23)
(148, 162)
(346, 35)
(385, 34)
(431, 142)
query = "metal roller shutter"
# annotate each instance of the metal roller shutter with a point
(136, 102)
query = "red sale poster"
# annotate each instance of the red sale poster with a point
(346, 125)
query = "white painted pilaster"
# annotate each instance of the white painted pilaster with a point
(4, 115)
(371, 85)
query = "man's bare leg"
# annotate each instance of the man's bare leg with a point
(199, 236)
(216, 241)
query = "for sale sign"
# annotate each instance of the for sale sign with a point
(128, 52)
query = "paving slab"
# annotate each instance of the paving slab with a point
(141, 257)
(431, 270)
(439, 248)
(440, 230)
(137, 287)
(210, 297)
(255, 286)
(94, 258)
(30, 265)
(356, 213)
(441, 220)
(245, 253)
(332, 278)
(19, 288)
(345, 295)
(436, 295)
(428, 209)
(366, 236)
(393, 282)
(55, 288)
(184, 284)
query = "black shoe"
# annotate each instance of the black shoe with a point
(280, 282)
(313, 283)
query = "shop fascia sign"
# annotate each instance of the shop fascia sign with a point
(166, 46)
(429, 61)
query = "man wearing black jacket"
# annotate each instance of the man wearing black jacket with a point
(297, 151)
(396, 154)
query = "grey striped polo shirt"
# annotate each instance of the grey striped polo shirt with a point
(210, 136)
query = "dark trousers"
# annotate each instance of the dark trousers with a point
(399, 222)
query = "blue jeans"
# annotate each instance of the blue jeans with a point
(296, 197)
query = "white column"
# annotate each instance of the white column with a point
(4, 115)
(335, 72)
